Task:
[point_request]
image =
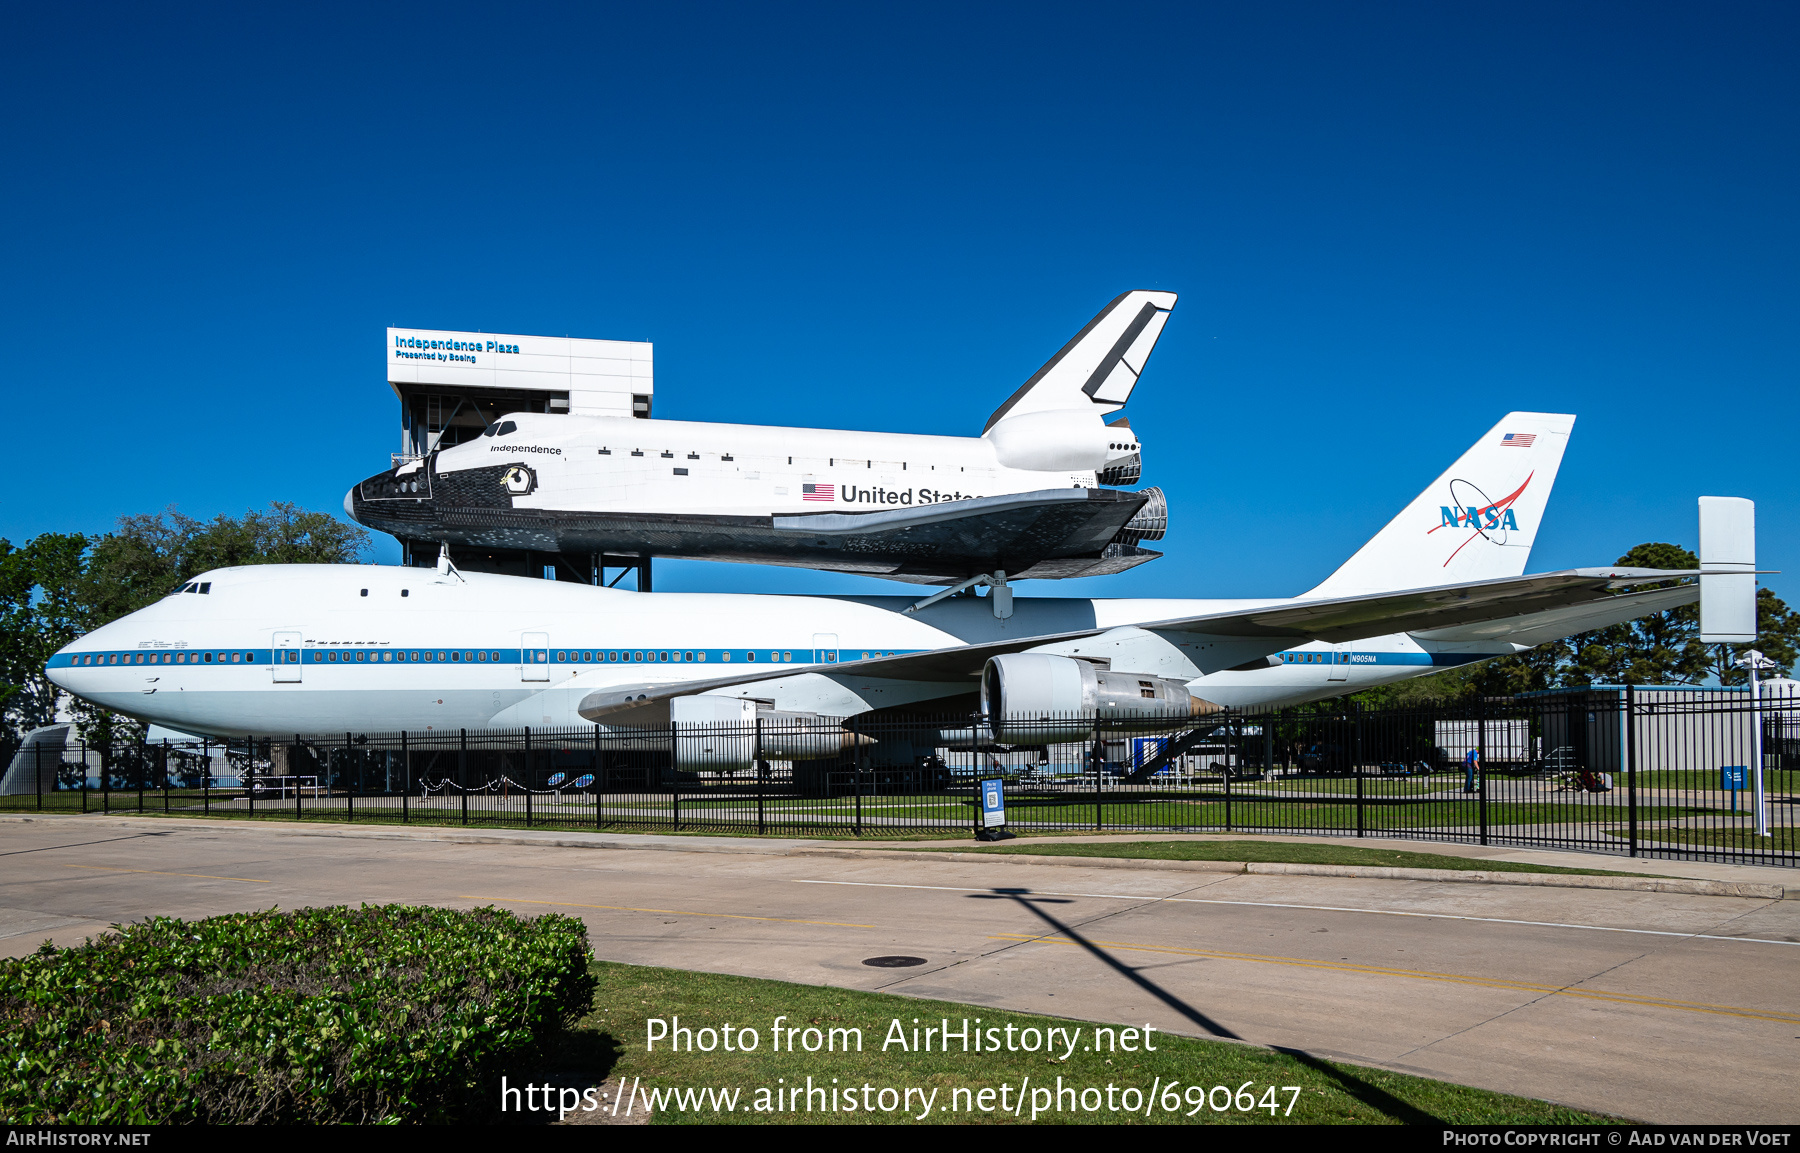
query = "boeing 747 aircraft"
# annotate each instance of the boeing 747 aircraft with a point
(317, 650)
(1023, 499)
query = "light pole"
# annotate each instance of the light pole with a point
(1751, 662)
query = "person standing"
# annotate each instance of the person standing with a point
(1471, 769)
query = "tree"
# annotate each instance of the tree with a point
(146, 556)
(40, 612)
(59, 586)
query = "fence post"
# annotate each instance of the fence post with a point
(756, 764)
(142, 760)
(37, 764)
(1481, 768)
(106, 760)
(526, 784)
(84, 788)
(294, 771)
(249, 778)
(1227, 771)
(674, 783)
(594, 767)
(350, 785)
(1098, 756)
(1631, 763)
(856, 766)
(163, 770)
(405, 780)
(205, 776)
(1356, 767)
(462, 772)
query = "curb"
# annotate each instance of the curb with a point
(1693, 888)
(1674, 885)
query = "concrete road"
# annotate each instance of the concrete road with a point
(1657, 1007)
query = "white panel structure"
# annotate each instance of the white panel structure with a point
(1728, 542)
(599, 376)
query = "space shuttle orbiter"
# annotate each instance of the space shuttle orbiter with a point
(1032, 496)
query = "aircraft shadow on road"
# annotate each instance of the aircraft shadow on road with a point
(1372, 1096)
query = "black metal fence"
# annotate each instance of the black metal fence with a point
(1651, 773)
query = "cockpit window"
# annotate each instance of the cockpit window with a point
(506, 426)
(491, 429)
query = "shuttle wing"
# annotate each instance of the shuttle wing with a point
(1055, 532)
(1530, 603)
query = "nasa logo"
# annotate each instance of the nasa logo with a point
(519, 480)
(1470, 508)
(1489, 517)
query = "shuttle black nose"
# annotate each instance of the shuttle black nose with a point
(397, 501)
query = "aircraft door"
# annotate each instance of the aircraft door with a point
(825, 648)
(534, 657)
(1340, 664)
(286, 656)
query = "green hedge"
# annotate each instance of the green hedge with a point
(379, 1014)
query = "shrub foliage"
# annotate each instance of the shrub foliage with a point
(378, 1014)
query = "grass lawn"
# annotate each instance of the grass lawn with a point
(1781, 838)
(1180, 1083)
(1290, 852)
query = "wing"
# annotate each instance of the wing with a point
(1279, 624)
(1055, 532)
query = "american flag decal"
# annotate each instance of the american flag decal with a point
(818, 492)
(1517, 439)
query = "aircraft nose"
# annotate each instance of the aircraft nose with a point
(350, 504)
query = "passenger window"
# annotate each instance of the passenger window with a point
(234, 658)
(387, 657)
(725, 656)
(561, 657)
(456, 656)
(787, 656)
(690, 656)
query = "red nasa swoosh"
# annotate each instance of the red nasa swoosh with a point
(1503, 502)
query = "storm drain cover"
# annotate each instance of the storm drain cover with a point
(894, 962)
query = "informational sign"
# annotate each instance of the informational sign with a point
(993, 804)
(1733, 777)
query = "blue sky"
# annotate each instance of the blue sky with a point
(1389, 225)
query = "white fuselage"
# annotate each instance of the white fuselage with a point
(282, 649)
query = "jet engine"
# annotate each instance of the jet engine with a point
(1037, 699)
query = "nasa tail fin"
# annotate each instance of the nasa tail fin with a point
(1475, 522)
(1095, 371)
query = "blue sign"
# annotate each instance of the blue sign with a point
(993, 804)
(1731, 777)
(1146, 749)
(582, 782)
(555, 780)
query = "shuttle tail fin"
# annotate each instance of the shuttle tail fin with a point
(1476, 522)
(1095, 372)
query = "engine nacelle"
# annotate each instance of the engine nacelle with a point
(1039, 699)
